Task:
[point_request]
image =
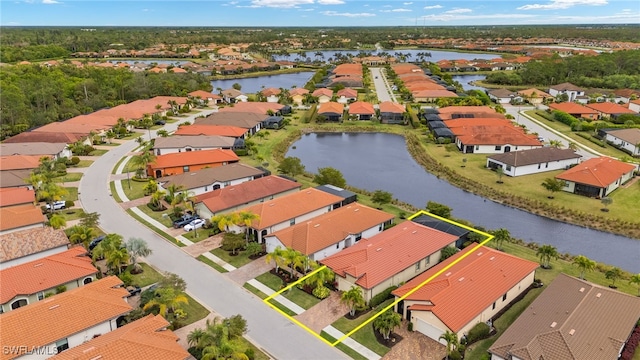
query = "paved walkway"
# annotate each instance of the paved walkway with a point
(245, 273)
(415, 345)
(324, 313)
(281, 299)
(359, 348)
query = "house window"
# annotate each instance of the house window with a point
(188, 149)
(358, 237)
(539, 166)
(292, 222)
(338, 246)
(508, 168)
(185, 169)
(18, 303)
(40, 295)
(380, 228)
(418, 266)
(546, 165)
(504, 297)
(477, 147)
(427, 260)
(206, 188)
(493, 307)
(498, 147)
(87, 281)
(62, 345)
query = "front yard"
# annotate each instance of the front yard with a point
(294, 294)
(236, 260)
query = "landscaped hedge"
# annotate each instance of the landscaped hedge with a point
(591, 138)
(382, 297)
(479, 332)
(564, 118)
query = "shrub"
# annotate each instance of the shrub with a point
(478, 332)
(60, 289)
(381, 297)
(447, 252)
(126, 278)
(75, 160)
(564, 118)
(321, 292)
(69, 204)
(241, 152)
(250, 353)
(410, 326)
(455, 355)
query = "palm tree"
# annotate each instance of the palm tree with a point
(353, 298)
(320, 278)
(167, 299)
(573, 146)
(151, 187)
(277, 256)
(386, 322)
(500, 172)
(246, 218)
(584, 264)
(452, 341)
(173, 194)
(635, 279)
(224, 220)
(555, 144)
(293, 258)
(546, 253)
(81, 235)
(162, 133)
(500, 236)
(613, 274)
(113, 250)
(553, 185)
(57, 221)
(137, 247)
(606, 201)
(141, 161)
(156, 199)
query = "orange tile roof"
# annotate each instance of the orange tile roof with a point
(17, 162)
(530, 93)
(41, 136)
(261, 108)
(221, 130)
(465, 110)
(424, 85)
(348, 69)
(18, 216)
(147, 338)
(348, 92)
(67, 127)
(600, 172)
(287, 207)
(331, 107)
(298, 91)
(462, 292)
(328, 229)
(72, 312)
(16, 196)
(323, 91)
(572, 108)
(392, 107)
(609, 108)
(204, 94)
(495, 135)
(19, 244)
(434, 94)
(189, 158)
(270, 91)
(372, 261)
(361, 108)
(45, 273)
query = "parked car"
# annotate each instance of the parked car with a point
(184, 220)
(160, 122)
(57, 205)
(195, 224)
(96, 241)
(133, 290)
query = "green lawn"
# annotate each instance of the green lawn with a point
(209, 262)
(115, 167)
(135, 191)
(258, 354)
(202, 234)
(344, 348)
(294, 294)
(84, 163)
(262, 295)
(255, 291)
(72, 194)
(158, 231)
(157, 215)
(365, 335)
(147, 277)
(98, 152)
(71, 214)
(238, 261)
(131, 136)
(69, 177)
(194, 311)
(114, 193)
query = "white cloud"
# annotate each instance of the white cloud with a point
(49, 2)
(458, 11)
(396, 10)
(330, 2)
(278, 3)
(346, 14)
(308, 9)
(562, 4)
(407, 3)
(432, 7)
(469, 18)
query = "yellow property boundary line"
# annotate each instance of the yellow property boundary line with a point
(268, 299)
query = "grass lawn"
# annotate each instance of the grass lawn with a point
(84, 163)
(294, 294)
(70, 177)
(71, 214)
(114, 193)
(365, 335)
(98, 152)
(344, 348)
(258, 354)
(115, 167)
(255, 291)
(136, 191)
(147, 277)
(209, 262)
(72, 194)
(194, 311)
(157, 215)
(158, 231)
(171, 121)
(131, 136)
(238, 261)
(202, 234)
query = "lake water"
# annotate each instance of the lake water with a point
(375, 161)
(465, 79)
(436, 55)
(255, 84)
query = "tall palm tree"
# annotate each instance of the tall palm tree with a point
(293, 258)
(573, 146)
(57, 221)
(167, 299)
(320, 278)
(81, 235)
(386, 322)
(113, 251)
(546, 253)
(247, 218)
(613, 274)
(141, 161)
(452, 341)
(500, 236)
(277, 256)
(353, 298)
(137, 247)
(584, 264)
(555, 144)
(224, 220)
(635, 279)
(156, 199)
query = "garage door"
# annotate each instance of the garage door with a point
(429, 330)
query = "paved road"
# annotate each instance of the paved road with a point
(281, 338)
(381, 85)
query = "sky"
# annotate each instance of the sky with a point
(317, 13)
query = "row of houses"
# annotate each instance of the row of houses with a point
(423, 88)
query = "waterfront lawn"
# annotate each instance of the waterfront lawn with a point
(237, 260)
(365, 335)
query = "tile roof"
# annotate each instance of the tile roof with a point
(45, 273)
(535, 156)
(599, 172)
(16, 196)
(609, 108)
(270, 91)
(231, 93)
(502, 93)
(237, 195)
(374, 260)
(247, 120)
(467, 288)
(571, 319)
(287, 207)
(298, 91)
(189, 158)
(147, 338)
(14, 178)
(361, 108)
(39, 136)
(348, 69)
(72, 312)
(32, 241)
(323, 92)
(392, 107)
(261, 108)
(530, 93)
(566, 87)
(632, 136)
(571, 108)
(348, 93)
(434, 94)
(14, 217)
(211, 130)
(70, 127)
(208, 176)
(490, 132)
(32, 148)
(465, 110)
(202, 141)
(19, 162)
(204, 95)
(328, 229)
(331, 107)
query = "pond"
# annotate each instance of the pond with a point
(255, 84)
(412, 55)
(464, 80)
(375, 161)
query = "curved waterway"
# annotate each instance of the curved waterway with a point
(375, 161)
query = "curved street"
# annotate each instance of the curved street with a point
(279, 337)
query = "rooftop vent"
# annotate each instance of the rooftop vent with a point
(316, 225)
(582, 289)
(491, 258)
(38, 264)
(462, 278)
(356, 209)
(54, 306)
(96, 358)
(414, 231)
(572, 331)
(598, 295)
(378, 249)
(447, 274)
(480, 253)
(88, 349)
(553, 324)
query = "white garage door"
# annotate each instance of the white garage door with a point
(429, 330)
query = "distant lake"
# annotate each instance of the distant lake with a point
(465, 79)
(436, 55)
(255, 84)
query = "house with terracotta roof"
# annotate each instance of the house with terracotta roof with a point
(234, 197)
(478, 284)
(19, 162)
(575, 110)
(178, 163)
(297, 95)
(145, 338)
(465, 112)
(347, 95)
(607, 110)
(258, 107)
(330, 233)
(331, 111)
(21, 217)
(432, 95)
(490, 136)
(626, 139)
(391, 112)
(361, 110)
(17, 196)
(30, 282)
(534, 96)
(570, 319)
(209, 179)
(389, 258)
(597, 177)
(323, 95)
(184, 143)
(285, 211)
(533, 161)
(572, 91)
(53, 150)
(231, 96)
(212, 130)
(76, 316)
(205, 97)
(271, 94)
(251, 121)
(27, 245)
(625, 95)
(47, 137)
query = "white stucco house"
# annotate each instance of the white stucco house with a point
(572, 91)
(597, 177)
(627, 139)
(533, 161)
